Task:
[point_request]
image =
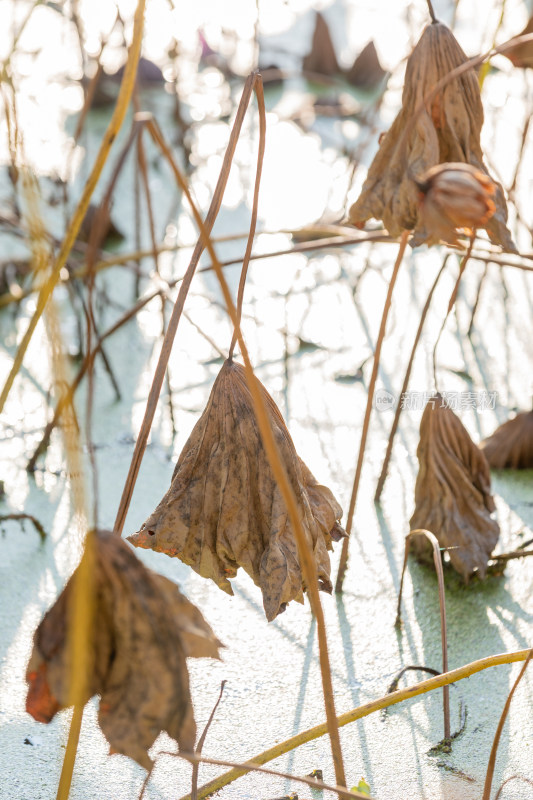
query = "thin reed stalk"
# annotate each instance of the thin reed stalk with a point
(343, 563)
(499, 729)
(259, 168)
(451, 304)
(200, 744)
(405, 384)
(314, 783)
(80, 625)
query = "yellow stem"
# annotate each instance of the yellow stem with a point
(362, 711)
(110, 135)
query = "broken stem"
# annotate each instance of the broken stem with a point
(366, 423)
(21, 517)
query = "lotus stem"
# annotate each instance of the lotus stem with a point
(366, 423)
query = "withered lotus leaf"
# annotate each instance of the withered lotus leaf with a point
(511, 445)
(452, 492)
(143, 630)
(321, 59)
(447, 131)
(366, 72)
(224, 509)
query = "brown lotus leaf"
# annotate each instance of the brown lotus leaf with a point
(224, 509)
(447, 131)
(453, 196)
(366, 72)
(511, 445)
(321, 59)
(452, 493)
(521, 55)
(143, 630)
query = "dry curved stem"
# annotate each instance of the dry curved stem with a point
(442, 603)
(200, 744)
(343, 563)
(119, 113)
(398, 411)
(393, 686)
(499, 729)
(21, 517)
(358, 713)
(508, 780)
(451, 304)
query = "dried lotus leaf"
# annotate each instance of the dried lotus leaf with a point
(321, 59)
(144, 628)
(448, 131)
(452, 493)
(224, 509)
(366, 72)
(511, 445)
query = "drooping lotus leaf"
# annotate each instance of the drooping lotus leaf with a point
(452, 492)
(321, 58)
(143, 629)
(511, 445)
(224, 509)
(446, 131)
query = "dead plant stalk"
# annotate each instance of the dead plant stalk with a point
(397, 413)
(366, 423)
(442, 603)
(497, 735)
